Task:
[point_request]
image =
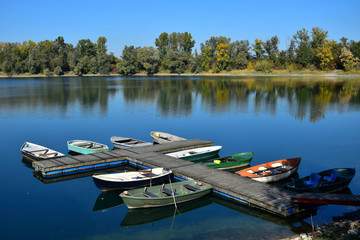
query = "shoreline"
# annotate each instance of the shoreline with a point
(343, 227)
(241, 74)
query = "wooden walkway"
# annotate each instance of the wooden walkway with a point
(229, 185)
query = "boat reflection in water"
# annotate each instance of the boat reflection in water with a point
(108, 200)
(142, 216)
(296, 223)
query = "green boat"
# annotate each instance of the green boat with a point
(165, 195)
(230, 162)
(86, 147)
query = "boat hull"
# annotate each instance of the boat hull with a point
(134, 199)
(110, 186)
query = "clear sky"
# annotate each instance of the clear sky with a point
(140, 22)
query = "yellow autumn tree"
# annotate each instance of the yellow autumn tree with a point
(325, 55)
(222, 56)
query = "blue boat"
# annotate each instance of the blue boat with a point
(328, 181)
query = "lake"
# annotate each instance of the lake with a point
(315, 118)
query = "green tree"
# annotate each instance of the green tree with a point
(86, 47)
(239, 54)
(149, 59)
(344, 42)
(104, 63)
(101, 45)
(258, 49)
(93, 66)
(162, 44)
(195, 63)
(303, 50)
(83, 65)
(58, 71)
(318, 37)
(291, 52)
(282, 59)
(205, 58)
(34, 61)
(186, 42)
(128, 64)
(271, 48)
(176, 61)
(73, 56)
(46, 53)
(355, 48)
(47, 72)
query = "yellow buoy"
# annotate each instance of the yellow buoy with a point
(217, 161)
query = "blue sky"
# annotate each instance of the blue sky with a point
(140, 22)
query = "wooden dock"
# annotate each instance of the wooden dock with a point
(228, 185)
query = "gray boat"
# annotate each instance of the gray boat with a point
(161, 137)
(165, 195)
(125, 142)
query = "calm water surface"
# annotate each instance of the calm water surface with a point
(275, 117)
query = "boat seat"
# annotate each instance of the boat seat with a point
(149, 194)
(40, 150)
(262, 168)
(332, 177)
(277, 165)
(313, 180)
(149, 174)
(96, 147)
(45, 154)
(192, 188)
(168, 191)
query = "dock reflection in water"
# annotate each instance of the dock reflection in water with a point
(296, 224)
(108, 200)
(142, 216)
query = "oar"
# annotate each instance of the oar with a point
(172, 193)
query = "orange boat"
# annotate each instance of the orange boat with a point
(272, 171)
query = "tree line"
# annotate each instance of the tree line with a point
(173, 53)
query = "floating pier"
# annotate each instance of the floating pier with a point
(228, 185)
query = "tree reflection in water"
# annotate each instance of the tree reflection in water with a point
(301, 97)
